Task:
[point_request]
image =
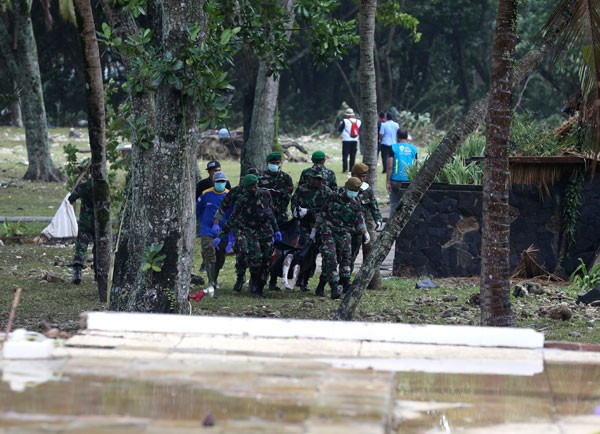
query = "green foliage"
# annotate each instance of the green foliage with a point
(460, 170)
(16, 229)
(572, 205)
(71, 169)
(530, 137)
(151, 260)
(390, 13)
(585, 280)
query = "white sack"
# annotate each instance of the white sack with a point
(64, 222)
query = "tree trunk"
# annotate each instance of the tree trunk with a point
(262, 127)
(23, 64)
(368, 94)
(495, 233)
(160, 194)
(442, 154)
(97, 133)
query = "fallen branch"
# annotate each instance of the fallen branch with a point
(13, 310)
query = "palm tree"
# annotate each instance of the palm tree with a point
(495, 234)
(97, 133)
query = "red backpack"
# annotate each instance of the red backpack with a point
(354, 129)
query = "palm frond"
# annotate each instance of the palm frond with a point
(582, 34)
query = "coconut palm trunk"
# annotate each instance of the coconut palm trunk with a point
(495, 235)
(97, 134)
(368, 94)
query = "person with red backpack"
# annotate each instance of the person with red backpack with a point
(350, 129)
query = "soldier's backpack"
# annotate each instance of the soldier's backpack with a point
(354, 129)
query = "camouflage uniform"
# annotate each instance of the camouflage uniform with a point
(368, 203)
(312, 198)
(85, 224)
(253, 224)
(308, 173)
(281, 186)
(339, 219)
(225, 209)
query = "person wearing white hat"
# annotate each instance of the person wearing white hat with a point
(350, 129)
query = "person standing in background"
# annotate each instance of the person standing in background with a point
(404, 155)
(350, 129)
(388, 132)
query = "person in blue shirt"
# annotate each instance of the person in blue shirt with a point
(206, 208)
(404, 155)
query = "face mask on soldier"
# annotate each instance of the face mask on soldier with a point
(352, 194)
(273, 167)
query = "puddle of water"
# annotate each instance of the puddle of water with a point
(296, 398)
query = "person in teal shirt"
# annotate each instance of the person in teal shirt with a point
(404, 155)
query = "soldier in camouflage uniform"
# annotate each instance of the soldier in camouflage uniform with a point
(254, 227)
(340, 217)
(307, 201)
(318, 158)
(221, 226)
(281, 187)
(85, 224)
(370, 208)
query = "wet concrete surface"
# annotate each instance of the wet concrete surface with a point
(127, 382)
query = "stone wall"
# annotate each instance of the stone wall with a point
(443, 236)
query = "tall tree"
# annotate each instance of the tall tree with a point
(368, 98)
(442, 154)
(261, 136)
(97, 134)
(495, 233)
(169, 72)
(17, 44)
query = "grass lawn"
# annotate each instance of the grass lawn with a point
(49, 298)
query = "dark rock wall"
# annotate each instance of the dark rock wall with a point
(443, 237)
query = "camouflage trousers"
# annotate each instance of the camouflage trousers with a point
(254, 251)
(210, 255)
(336, 249)
(85, 236)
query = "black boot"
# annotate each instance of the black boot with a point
(273, 283)
(260, 284)
(320, 291)
(252, 284)
(345, 284)
(335, 290)
(239, 282)
(77, 275)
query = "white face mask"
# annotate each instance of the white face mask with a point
(273, 167)
(352, 194)
(219, 187)
(364, 186)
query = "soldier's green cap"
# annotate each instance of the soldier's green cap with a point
(353, 184)
(274, 156)
(318, 156)
(250, 180)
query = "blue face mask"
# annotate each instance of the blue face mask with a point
(352, 194)
(219, 187)
(273, 167)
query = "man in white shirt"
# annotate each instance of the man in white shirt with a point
(387, 134)
(350, 129)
